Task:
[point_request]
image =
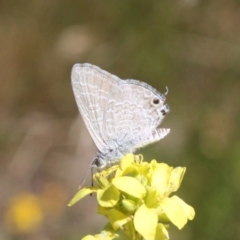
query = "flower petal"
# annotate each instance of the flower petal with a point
(189, 210)
(101, 179)
(104, 235)
(177, 211)
(145, 222)
(176, 178)
(81, 194)
(160, 177)
(126, 161)
(89, 237)
(108, 197)
(116, 218)
(161, 233)
(125, 165)
(130, 186)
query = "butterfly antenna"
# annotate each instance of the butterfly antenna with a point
(85, 177)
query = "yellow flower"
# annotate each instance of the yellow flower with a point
(135, 197)
(106, 234)
(24, 214)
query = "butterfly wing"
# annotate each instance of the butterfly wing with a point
(119, 114)
(92, 89)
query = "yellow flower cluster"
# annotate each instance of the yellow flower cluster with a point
(135, 197)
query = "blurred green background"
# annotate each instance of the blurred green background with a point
(191, 46)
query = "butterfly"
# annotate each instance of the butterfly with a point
(120, 115)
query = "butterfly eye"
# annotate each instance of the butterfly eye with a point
(155, 101)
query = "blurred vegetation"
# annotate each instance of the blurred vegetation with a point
(191, 46)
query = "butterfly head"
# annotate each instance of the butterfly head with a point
(98, 163)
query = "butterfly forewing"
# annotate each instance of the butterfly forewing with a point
(92, 88)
